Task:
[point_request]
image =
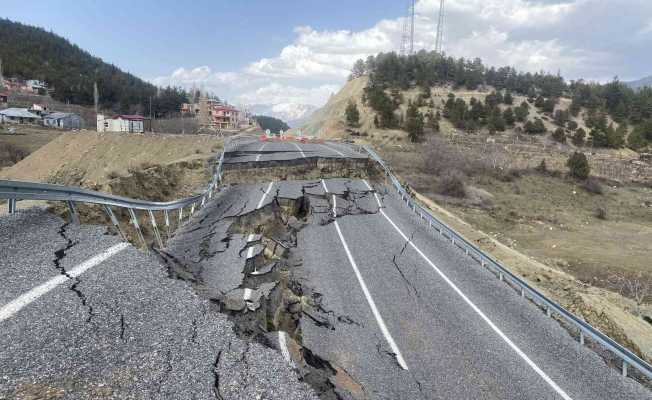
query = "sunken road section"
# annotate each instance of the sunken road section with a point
(362, 301)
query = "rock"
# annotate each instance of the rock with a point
(234, 300)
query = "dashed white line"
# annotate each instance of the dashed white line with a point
(262, 199)
(493, 326)
(301, 151)
(11, 308)
(367, 294)
(335, 150)
(261, 149)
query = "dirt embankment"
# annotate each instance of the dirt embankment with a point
(150, 167)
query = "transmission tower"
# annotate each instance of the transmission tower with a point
(439, 41)
(407, 41)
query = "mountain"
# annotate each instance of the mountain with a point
(33, 53)
(647, 81)
(329, 120)
(275, 125)
(294, 114)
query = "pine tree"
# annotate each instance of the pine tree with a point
(578, 137)
(352, 114)
(414, 123)
(578, 165)
(559, 135)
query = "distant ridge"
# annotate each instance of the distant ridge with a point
(647, 81)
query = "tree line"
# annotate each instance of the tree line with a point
(389, 72)
(29, 52)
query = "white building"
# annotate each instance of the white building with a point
(122, 123)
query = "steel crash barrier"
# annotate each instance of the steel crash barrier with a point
(13, 191)
(584, 329)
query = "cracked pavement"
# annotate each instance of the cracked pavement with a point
(149, 336)
(125, 329)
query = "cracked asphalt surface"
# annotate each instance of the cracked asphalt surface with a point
(136, 333)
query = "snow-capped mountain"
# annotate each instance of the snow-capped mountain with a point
(291, 113)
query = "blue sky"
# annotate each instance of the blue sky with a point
(151, 38)
(286, 56)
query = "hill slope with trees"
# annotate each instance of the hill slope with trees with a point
(29, 52)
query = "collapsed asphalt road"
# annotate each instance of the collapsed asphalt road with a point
(121, 329)
(332, 278)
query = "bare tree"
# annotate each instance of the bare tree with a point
(638, 287)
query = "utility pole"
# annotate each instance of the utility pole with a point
(439, 42)
(407, 41)
(96, 98)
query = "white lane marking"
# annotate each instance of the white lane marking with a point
(301, 151)
(262, 199)
(324, 185)
(375, 194)
(481, 314)
(367, 294)
(11, 308)
(247, 294)
(337, 151)
(282, 344)
(250, 250)
(261, 149)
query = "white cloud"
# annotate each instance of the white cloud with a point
(276, 93)
(526, 34)
(508, 13)
(646, 29)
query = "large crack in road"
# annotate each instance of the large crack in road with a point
(270, 295)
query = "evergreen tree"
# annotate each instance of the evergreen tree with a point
(578, 165)
(559, 135)
(414, 123)
(508, 116)
(508, 99)
(578, 137)
(352, 114)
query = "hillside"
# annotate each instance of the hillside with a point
(32, 53)
(637, 84)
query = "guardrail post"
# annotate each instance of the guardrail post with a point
(115, 222)
(74, 216)
(192, 210)
(156, 232)
(167, 222)
(134, 222)
(625, 368)
(548, 312)
(500, 276)
(523, 293)
(11, 204)
(581, 337)
(180, 215)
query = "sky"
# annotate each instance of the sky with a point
(290, 53)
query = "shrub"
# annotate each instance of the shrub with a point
(11, 154)
(601, 213)
(593, 186)
(542, 167)
(578, 165)
(559, 135)
(452, 184)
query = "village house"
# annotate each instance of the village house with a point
(4, 99)
(123, 123)
(62, 120)
(19, 116)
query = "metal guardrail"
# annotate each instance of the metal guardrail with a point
(18, 190)
(585, 329)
